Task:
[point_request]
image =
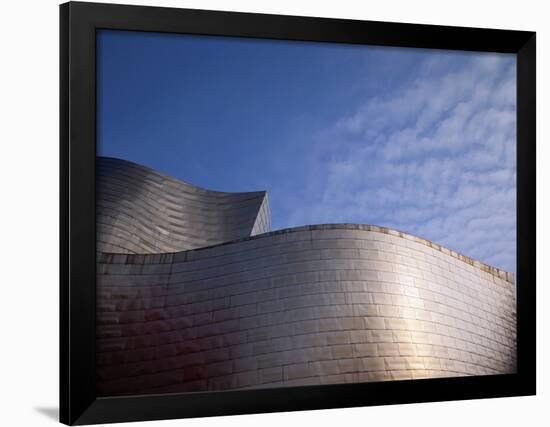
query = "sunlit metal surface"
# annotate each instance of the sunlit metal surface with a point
(142, 211)
(310, 305)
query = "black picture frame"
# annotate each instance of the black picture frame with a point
(78, 24)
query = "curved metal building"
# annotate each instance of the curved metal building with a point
(142, 211)
(309, 305)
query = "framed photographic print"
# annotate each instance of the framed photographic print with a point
(268, 213)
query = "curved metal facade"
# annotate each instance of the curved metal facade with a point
(142, 211)
(309, 305)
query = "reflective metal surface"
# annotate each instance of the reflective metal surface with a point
(142, 211)
(310, 305)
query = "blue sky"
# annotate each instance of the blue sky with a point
(418, 140)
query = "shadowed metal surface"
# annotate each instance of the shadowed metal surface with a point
(142, 211)
(310, 305)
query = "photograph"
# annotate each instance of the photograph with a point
(276, 213)
(282, 213)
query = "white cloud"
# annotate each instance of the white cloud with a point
(435, 159)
